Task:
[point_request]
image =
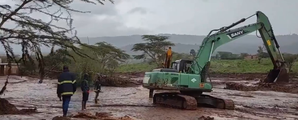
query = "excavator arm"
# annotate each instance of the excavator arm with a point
(201, 63)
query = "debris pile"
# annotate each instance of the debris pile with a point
(85, 115)
(118, 81)
(61, 118)
(245, 76)
(101, 116)
(291, 87)
(240, 86)
(121, 80)
(8, 108)
(205, 118)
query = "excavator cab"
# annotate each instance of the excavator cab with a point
(181, 66)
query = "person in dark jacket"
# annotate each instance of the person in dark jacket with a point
(85, 91)
(97, 86)
(66, 88)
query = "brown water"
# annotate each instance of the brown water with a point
(134, 102)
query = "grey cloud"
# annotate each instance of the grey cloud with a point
(98, 9)
(138, 10)
(110, 26)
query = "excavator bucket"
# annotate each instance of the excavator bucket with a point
(277, 76)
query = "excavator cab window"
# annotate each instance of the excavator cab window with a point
(181, 65)
(174, 65)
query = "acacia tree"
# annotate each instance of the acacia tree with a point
(55, 60)
(109, 55)
(105, 58)
(32, 33)
(154, 47)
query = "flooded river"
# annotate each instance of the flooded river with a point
(134, 102)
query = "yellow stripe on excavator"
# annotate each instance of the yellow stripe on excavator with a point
(268, 42)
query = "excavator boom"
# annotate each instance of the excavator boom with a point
(279, 73)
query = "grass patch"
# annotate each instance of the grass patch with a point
(217, 66)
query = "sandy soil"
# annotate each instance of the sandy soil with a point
(133, 102)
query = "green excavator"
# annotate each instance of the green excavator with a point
(188, 78)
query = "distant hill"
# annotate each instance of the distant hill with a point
(184, 43)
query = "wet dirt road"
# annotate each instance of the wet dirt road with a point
(134, 102)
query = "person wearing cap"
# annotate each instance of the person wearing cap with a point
(85, 91)
(66, 88)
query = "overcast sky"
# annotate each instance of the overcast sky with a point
(196, 17)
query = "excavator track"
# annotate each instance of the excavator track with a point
(180, 101)
(175, 100)
(214, 102)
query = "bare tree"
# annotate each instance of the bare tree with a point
(32, 33)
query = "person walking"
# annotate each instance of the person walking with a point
(85, 91)
(97, 86)
(66, 88)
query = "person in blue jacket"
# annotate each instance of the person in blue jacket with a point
(85, 91)
(66, 88)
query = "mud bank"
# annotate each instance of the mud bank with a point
(242, 76)
(121, 81)
(133, 102)
(8, 108)
(291, 87)
(97, 116)
(245, 76)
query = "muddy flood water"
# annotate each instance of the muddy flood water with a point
(134, 102)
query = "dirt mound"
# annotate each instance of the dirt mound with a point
(240, 86)
(246, 76)
(61, 118)
(205, 118)
(291, 87)
(124, 118)
(133, 74)
(85, 115)
(101, 116)
(8, 108)
(120, 81)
